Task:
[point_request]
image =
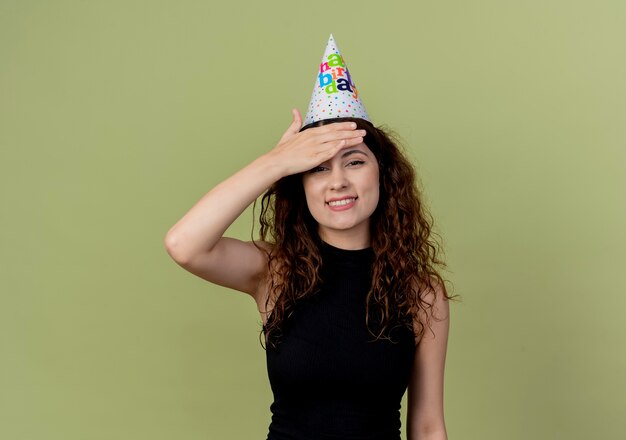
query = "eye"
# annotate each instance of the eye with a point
(356, 162)
(317, 169)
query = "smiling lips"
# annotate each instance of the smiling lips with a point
(341, 204)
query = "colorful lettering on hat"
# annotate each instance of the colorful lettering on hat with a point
(334, 95)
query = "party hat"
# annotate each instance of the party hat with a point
(334, 93)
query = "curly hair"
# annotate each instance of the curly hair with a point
(405, 254)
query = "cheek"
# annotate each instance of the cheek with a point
(375, 187)
(310, 194)
(375, 198)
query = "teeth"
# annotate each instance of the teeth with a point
(341, 202)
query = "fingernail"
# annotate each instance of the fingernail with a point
(354, 125)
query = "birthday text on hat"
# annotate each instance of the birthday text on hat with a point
(334, 76)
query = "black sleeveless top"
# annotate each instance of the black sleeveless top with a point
(329, 380)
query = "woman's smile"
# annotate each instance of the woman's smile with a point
(342, 204)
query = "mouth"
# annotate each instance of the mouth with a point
(341, 202)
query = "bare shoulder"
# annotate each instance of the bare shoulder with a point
(436, 314)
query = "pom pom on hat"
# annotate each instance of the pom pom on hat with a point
(334, 94)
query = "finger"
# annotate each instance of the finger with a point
(335, 135)
(333, 148)
(335, 126)
(354, 141)
(295, 124)
(297, 117)
(328, 150)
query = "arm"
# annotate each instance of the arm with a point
(425, 415)
(196, 243)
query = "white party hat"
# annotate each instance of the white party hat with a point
(334, 94)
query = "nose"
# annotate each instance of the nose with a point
(338, 179)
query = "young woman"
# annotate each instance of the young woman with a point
(343, 275)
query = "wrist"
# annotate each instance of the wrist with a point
(271, 166)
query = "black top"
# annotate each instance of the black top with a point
(328, 381)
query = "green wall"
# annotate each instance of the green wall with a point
(117, 116)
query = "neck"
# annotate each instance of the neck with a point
(349, 240)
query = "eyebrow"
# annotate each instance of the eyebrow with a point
(348, 153)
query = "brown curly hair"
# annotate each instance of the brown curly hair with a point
(401, 229)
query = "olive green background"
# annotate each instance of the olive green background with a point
(117, 116)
